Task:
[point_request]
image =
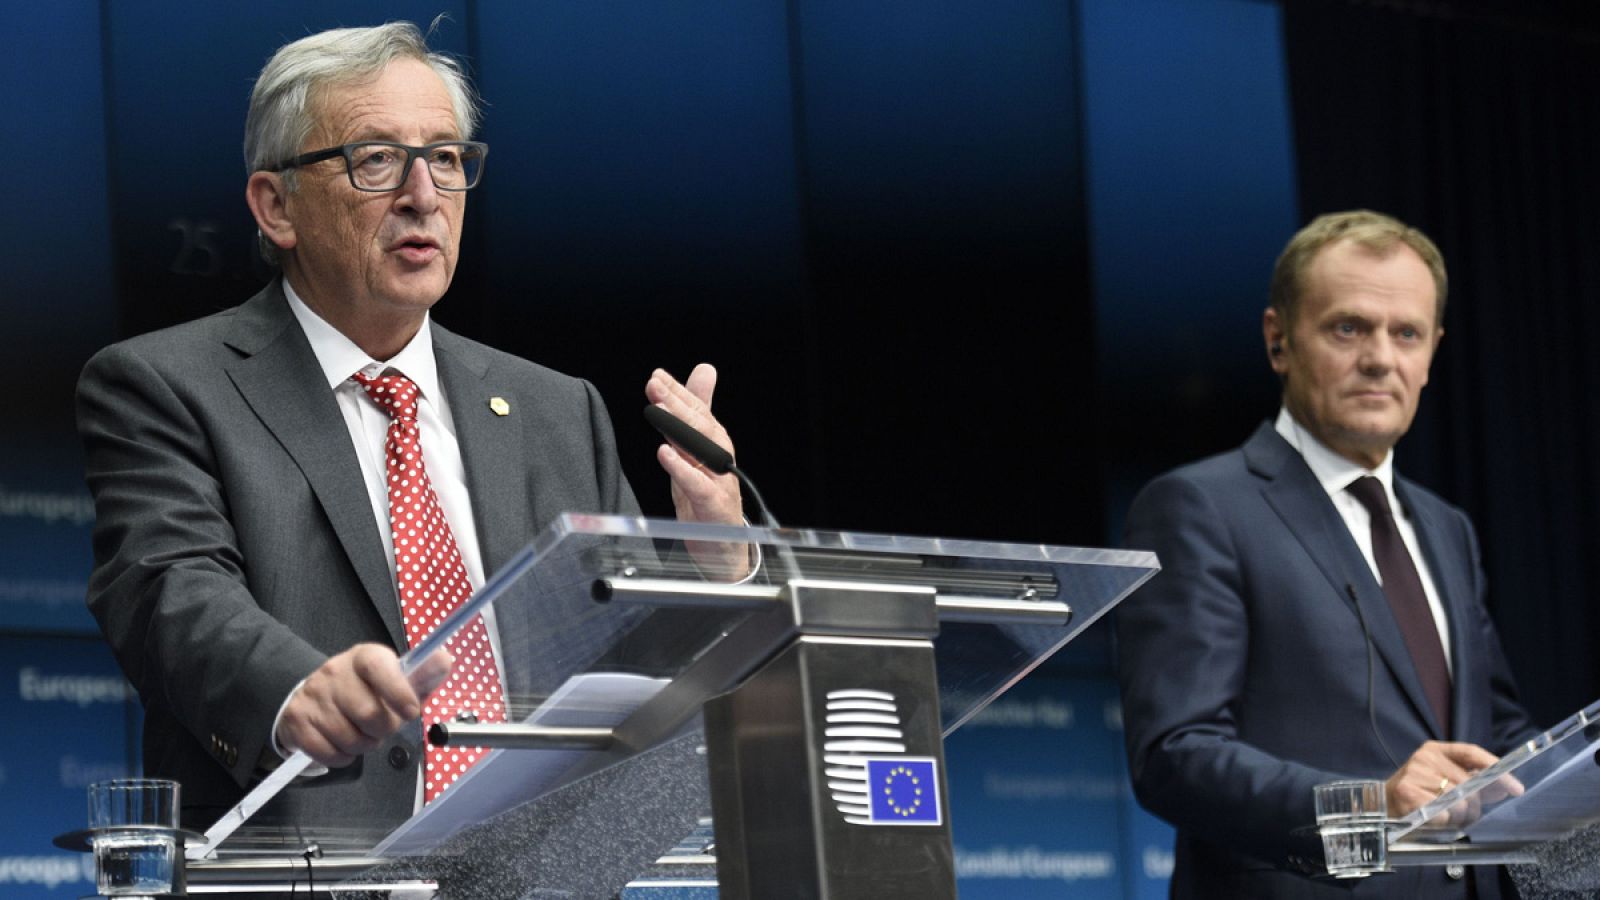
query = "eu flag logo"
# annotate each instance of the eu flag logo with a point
(904, 790)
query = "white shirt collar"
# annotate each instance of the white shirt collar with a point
(340, 357)
(1334, 472)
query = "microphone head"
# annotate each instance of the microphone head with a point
(692, 442)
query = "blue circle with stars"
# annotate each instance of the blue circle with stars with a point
(903, 790)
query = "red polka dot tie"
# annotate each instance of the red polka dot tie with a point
(432, 581)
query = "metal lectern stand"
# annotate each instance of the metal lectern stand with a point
(827, 680)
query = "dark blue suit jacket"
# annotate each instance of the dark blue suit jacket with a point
(1244, 670)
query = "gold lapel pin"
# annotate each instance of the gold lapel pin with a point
(500, 406)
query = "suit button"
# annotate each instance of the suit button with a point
(1455, 872)
(399, 757)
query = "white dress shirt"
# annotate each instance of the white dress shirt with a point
(1336, 473)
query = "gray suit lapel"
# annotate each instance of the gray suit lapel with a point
(281, 381)
(1299, 500)
(491, 450)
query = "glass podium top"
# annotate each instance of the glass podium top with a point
(630, 624)
(1543, 790)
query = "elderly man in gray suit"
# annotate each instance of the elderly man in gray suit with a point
(1317, 616)
(244, 466)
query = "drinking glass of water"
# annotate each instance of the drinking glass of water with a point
(133, 825)
(1352, 817)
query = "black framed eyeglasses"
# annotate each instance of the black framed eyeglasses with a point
(383, 165)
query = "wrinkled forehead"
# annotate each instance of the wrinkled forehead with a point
(403, 99)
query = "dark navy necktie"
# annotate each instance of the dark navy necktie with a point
(1403, 586)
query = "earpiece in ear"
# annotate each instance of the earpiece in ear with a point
(1275, 349)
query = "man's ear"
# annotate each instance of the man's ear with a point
(268, 198)
(1275, 333)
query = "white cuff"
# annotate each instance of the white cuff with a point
(311, 771)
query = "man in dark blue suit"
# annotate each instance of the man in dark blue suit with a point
(1317, 617)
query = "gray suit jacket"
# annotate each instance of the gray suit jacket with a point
(235, 547)
(1244, 669)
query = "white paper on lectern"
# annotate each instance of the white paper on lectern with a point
(1569, 794)
(504, 779)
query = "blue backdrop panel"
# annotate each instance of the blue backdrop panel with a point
(55, 274)
(1190, 170)
(57, 303)
(1035, 790)
(45, 520)
(640, 208)
(943, 126)
(939, 146)
(1147, 848)
(70, 711)
(640, 150)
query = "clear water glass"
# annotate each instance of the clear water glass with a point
(133, 823)
(1352, 817)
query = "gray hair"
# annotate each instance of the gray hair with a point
(281, 114)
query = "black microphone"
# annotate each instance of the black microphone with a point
(706, 452)
(693, 442)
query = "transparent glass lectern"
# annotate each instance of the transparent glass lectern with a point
(648, 685)
(1537, 809)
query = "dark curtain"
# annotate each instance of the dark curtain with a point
(1480, 124)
